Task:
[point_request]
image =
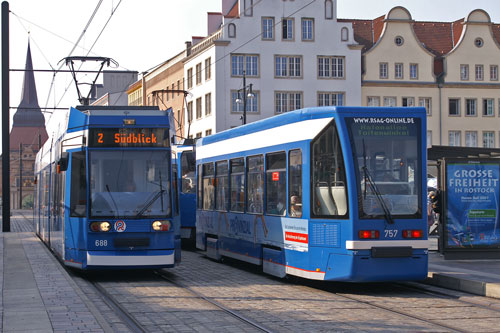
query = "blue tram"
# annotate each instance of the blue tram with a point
(186, 188)
(103, 194)
(327, 193)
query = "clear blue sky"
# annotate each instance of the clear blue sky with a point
(144, 33)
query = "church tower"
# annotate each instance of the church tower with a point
(27, 135)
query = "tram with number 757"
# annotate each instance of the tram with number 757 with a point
(104, 189)
(327, 193)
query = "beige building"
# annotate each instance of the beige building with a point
(451, 68)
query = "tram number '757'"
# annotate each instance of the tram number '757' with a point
(101, 242)
(391, 233)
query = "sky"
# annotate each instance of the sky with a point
(143, 33)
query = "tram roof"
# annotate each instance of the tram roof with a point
(310, 114)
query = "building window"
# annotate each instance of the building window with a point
(408, 101)
(190, 111)
(208, 132)
(383, 72)
(330, 67)
(454, 138)
(198, 135)
(244, 62)
(429, 139)
(288, 66)
(426, 102)
(479, 72)
(471, 139)
(398, 70)
(248, 7)
(173, 88)
(478, 42)
(330, 99)
(198, 108)
(489, 139)
(328, 9)
(373, 101)
(414, 71)
(454, 107)
(287, 28)
(344, 34)
(287, 101)
(252, 103)
(399, 40)
(307, 29)
(488, 107)
(464, 72)
(470, 107)
(208, 104)
(231, 30)
(178, 87)
(268, 28)
(190, 78)
(390, 101)
(198, 73)
(208, 69)
(493, 72)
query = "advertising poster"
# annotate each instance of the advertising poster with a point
(472, 219)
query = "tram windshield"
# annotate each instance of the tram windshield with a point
(388, 163)
(130, 183)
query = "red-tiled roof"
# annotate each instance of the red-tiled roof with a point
(496, 31)
(457, 30)
(435, 36)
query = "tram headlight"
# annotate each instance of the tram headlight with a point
(161, 225)
(103, 226)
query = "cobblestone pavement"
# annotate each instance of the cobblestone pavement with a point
(74, 305)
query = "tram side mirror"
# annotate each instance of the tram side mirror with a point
(62, 164)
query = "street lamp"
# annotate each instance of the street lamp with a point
(246, 92)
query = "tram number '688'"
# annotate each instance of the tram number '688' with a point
(101, 242)
(391, 233)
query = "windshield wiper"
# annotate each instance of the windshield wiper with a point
(374, 187)
(153, 199)
(113, 200)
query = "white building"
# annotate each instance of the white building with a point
(294, 54)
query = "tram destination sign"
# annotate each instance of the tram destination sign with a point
(128, 137)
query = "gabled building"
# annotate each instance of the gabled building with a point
(451, 68)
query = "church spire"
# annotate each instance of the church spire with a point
(28, 112)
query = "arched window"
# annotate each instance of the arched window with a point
(328, 9)
(231, 30)
(344, 34)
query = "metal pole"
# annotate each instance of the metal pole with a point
(244, 99)
(5, 120)
(20, 176)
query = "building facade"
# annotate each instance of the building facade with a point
(451, 68)
(293, 56)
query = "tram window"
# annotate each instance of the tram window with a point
(78, 200)
(328, 175)
(276, 184)
(187, 171)
(237, 169)
(198, 198)
(255, 184)
(295, 183)
(208, 186)
(222, 186)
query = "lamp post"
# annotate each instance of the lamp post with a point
(246, 95)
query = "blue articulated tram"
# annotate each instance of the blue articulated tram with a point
(185, 166)
(104, 190)
(328, 193)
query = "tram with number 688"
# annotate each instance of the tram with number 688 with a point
(328, 193)
(104, 189)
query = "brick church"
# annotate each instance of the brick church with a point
(28, 133)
